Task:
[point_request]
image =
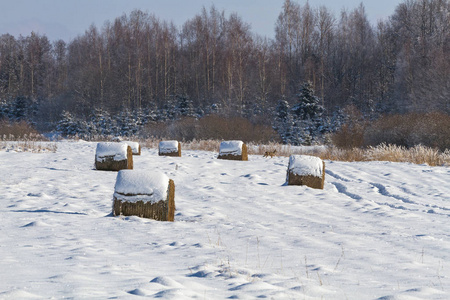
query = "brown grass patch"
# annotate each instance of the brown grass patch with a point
(16, 131)
(418, 155)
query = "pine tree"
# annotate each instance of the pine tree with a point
(67, 126)
(308, 121)
(308, 106)
(126, 123)
(4, 109)
(283, 121)
(101, 122)
(22, 109)
(184, 107)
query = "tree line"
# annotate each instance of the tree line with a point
(139, 62)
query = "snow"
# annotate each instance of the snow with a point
(378, 230)
(111, 149)
(140, 185)
(304, 165)
(168, 146)
(134, 146)
(231, 147)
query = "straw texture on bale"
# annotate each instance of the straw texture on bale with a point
(163, 210)
(311, 181)
(242, 156)
(110, 163)
(174, 152)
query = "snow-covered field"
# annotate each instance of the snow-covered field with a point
(378, 230)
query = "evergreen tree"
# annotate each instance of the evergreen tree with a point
(308, 122)
(4, 109)
(126, 124)
(101, 123)
(67, 126)
(283, 121)
(308, 106)
(22, 109)
(184, 107)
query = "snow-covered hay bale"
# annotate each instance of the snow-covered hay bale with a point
(169, 148)
(144, 194)
(233, 150)
(135, 147)
(306, 170)
(113, 156)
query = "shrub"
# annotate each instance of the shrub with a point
(212, 127)
(18, 131)
(428, 129)
(235, 128)
(351, 134)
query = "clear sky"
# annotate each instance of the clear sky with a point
(66, 19)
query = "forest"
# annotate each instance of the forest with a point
(318, 72)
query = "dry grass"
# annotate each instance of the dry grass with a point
(417, 155)
(21, 137)
(17, 130)
(34, 143)
(28, 146)
(285, 150)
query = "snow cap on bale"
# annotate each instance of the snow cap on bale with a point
(144, 194)
(169, 148)
(113, 156)
(116, 150)
(306, 170)
(234, 150)
(149, 185)
(135, 147)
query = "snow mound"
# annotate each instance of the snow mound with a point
(168, 146)
(36, 224)
(166, 281)
(231, 147)
(117, 151)
(18, 294)
(304, 165)
(152, 185)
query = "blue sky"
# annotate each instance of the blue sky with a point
(66, 19)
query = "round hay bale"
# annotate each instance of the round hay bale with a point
(233, 150)
(135, 147)
(306, 170)
(144, 194)
(113, 156)
(169, 148)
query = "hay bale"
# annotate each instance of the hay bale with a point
(306, 170)
(169, 148)
(144, 194)
(113, 156)
(233, 150)
(135, 147)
